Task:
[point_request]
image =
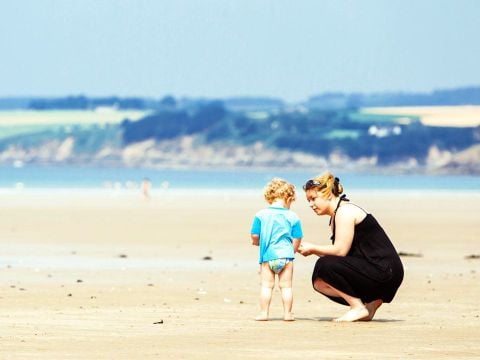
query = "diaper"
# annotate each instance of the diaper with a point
(278, 265)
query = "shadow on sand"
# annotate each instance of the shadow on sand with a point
(330, 319)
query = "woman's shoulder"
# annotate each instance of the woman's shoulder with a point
(352, 211)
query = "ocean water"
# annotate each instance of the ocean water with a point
(92, 178)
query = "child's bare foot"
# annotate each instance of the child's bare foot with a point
(263, 316)
(372, 308)
(288, 317)
(353, 314)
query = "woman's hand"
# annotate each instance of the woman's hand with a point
(306, 248)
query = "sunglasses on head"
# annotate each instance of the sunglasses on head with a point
(313, 183)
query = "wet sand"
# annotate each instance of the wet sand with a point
(117, 277)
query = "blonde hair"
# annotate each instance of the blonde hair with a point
(279, 189)
(327, 184)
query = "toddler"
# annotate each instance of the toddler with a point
(278, 232)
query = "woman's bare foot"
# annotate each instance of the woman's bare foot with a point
(372, 308)
(288, 317)
(353, 314)
(263, 316)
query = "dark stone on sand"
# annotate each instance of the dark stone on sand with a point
(69, 295)
(79, 280)
(150, 285)
(123, 256)
(472, 256)
(207, 258)
(158, 322)
(408, 254)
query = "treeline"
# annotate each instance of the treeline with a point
(319, 132)
(326, 101)
(461, 96)
(137, 103)
(85, 103)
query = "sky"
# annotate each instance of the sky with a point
(224, 48)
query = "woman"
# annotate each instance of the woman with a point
(361, 268)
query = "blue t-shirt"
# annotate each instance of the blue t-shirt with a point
(277, 227)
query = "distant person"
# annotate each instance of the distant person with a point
(146, 188)
(361, 268)
(278, 232)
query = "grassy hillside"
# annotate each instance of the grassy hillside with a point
(68, 117)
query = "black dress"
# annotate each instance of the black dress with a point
(372, 268)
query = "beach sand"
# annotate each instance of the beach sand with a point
(117, 277)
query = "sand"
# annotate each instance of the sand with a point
(116, 277)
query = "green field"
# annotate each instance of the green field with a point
(29, 122)
(68, 117)
(383, 118)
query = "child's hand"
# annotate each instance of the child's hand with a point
(305, 248)
(255, 240)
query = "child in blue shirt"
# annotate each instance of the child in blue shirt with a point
(278, 232)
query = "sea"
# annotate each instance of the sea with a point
(85, 178)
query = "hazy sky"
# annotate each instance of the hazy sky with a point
(220, 48)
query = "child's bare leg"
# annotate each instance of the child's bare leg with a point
(285, 284)
(268, 282)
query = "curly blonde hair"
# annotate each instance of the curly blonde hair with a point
(279, 189)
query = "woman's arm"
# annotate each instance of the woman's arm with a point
(344, 231)
(255, 239)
